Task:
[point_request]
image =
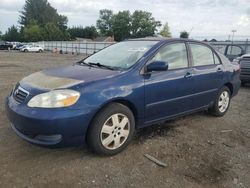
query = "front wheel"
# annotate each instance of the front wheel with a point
(111, 130)
(222, 102)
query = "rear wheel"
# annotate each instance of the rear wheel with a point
(111, 130)
(25, 50)
(40, 51)
(222, 102)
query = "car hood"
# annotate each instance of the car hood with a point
(66, 77)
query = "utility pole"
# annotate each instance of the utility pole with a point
(233, 31)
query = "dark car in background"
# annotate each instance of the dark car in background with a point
(104, 98)
(244, 62)
(5, 45)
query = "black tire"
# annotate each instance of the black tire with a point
(243, 83)
(25, 50)
(215, 110)
(40, 51)
(94, 135)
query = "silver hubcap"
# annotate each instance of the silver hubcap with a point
(115, 131)
(223, 101)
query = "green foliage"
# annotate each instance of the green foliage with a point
(52, 32)
(105, 22)
(165, 32)
(12, 34)
(33, 33)
(121, 25)
(143, 24)
(124, 25)
(40, 21)
(87, 32)
(184, 34)
(42, 13)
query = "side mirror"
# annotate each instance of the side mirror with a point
(157, 66)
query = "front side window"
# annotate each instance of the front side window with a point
(202, 55)
(174, 54)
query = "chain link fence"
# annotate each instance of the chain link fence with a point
(83, 47)
(74, 47)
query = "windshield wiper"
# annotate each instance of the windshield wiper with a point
(83, 63)
(101, 65)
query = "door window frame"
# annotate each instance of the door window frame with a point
(205, 45)
(143, 70)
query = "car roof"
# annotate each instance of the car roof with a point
(164, 39)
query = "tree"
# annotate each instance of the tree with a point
(52, 32)
(87, 32)
(165, 32)
(121, 25)
(143, 24)
(104, 23)
(33, 33)
(42, 12)
(40, 21)
(12, 34)
(184, 34)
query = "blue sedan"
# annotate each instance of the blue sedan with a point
(104, 98)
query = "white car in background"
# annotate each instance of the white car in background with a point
(32, 48)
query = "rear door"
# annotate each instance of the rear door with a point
(167, 93)
(207, 74)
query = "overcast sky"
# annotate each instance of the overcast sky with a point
(204, 18)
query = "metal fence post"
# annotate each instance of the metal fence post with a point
(86, 48)
(246, 46)
(66, 47)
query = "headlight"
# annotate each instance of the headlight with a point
(55, 99)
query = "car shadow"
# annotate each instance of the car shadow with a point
(168, 128)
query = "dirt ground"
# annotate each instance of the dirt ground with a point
(200, 150)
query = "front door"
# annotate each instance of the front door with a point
(167, 93)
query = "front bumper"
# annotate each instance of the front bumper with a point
(48, 127)
(245, 78)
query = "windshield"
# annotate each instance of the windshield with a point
(121, 55)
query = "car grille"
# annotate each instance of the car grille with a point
(20, 94)
(245, 66)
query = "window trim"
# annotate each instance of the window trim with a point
(163, 46)
(202, 44)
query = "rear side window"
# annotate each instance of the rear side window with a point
(202, 55)
(175, 54)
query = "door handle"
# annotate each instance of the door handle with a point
(188, 75)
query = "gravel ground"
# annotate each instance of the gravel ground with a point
(199, 150)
